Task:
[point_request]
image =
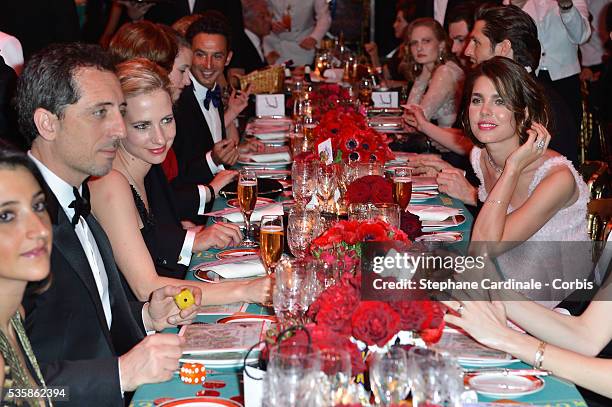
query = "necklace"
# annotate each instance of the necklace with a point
(493, 165)
(131, 179)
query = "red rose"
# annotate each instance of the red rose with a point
(411, 225)
(375, 323)
(411, 314)
(336, 307)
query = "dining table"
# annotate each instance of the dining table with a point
(227, 382)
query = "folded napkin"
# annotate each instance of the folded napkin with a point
(271, 136)
(432, 212)
(333, 75)
(272, 121)
(244, 269)
(274, 209)
(270, 158)
(420, 183)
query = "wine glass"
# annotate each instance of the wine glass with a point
(304, 181)
(326, 184)
(387, 212)
(389, 376)
(310, 124)
(247, 199)
(304, 225)
(402, 186)
(271, 241)
(291, 296)
(436, 378)
(336, 366)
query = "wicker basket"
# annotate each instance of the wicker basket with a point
(268, 80)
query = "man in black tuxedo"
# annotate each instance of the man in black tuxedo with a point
(170, 11)
(249, 53)
(435, 9)
(201, 145)
(84, 332)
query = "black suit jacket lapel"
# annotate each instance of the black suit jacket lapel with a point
(66, 242)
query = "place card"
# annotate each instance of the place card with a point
(270, 105)
(218, 338)
(385, 99)
(326, 152)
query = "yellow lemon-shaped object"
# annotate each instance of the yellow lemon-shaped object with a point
(184, 299)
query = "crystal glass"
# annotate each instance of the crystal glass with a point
(389, 376)
(402, 186)
(304, 225)
(324, 274)
(310, 125)
(336, 368)
(291, 296)
(304, 181)
(389, 213)
(326, 184)
(247, 198)
(359, 211)
(292, 377)
(436, 378)
(271, 241)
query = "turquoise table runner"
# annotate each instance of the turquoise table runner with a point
(556, 393)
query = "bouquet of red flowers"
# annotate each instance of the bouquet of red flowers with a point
(370, 189)
(327, 97)
(351, 137)
(339, 308)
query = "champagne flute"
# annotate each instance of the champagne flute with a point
(402, 186)
(271, 241)
(365, 91)
(247, 198)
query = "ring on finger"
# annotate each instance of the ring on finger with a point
(540, 145)
(460, 309)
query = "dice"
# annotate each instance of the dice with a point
(184, 299)
(193, 373)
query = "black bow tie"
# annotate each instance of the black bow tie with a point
(213, 96)
(81, 204)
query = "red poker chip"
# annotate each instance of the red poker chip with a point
(238, 399)
(214, 384)
(161, 400)
(209, 393)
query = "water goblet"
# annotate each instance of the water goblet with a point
(304, 181)
(304, 225)
(326, 184)
(389, 376)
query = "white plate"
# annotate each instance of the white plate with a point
(500, 385)
(226, 359)
(200, 401)
(486, 362)
(268, 164)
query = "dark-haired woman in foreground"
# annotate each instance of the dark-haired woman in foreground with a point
(25, 249)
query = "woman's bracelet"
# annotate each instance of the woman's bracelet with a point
(539, 356)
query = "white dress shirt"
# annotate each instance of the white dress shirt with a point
(11, 51)
(440, 10)
(63, 192)
(560, 33)
(191, 4)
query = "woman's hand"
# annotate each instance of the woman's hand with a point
(217, 236)
(533, 149)
(452, 182)
(237, 102)
(484, 321)
(251, 146)
(415, 117)
(260, 290)
(222, 179)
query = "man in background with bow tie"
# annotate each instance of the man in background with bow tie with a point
(85, 334)
(201, 145)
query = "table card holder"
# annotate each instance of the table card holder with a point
(385, 99)
(270, 105)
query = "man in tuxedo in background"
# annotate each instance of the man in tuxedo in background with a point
(201, 145)
(249, 54)
(84, 332)
(435, 9)
(170, 11)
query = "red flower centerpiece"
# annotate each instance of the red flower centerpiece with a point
(351, 137)
(371, 324)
